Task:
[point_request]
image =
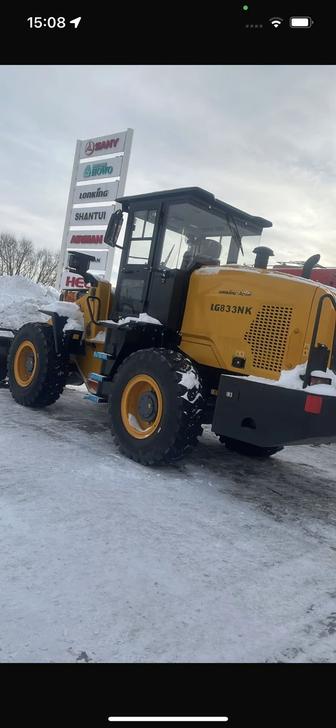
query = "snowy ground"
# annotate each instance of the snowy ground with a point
(216, 559)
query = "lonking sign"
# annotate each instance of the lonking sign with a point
(96, 182)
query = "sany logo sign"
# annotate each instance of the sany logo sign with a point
(91, 147)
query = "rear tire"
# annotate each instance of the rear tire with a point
(246, 448)
(155, 406)
(36, 374)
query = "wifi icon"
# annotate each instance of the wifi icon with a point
(276, 22)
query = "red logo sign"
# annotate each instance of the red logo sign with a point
(72, 281)
(89, 148)
(86, 239)
(105, 145)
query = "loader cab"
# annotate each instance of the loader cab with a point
(168, 235)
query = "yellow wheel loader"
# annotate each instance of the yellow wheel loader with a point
(189, 336)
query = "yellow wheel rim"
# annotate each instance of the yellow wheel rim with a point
(141, 406)
(25, 363)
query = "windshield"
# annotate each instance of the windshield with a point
(192, 233)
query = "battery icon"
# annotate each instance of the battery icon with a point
(303, 21)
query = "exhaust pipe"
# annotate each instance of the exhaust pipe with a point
(309, 265)
(262, 256)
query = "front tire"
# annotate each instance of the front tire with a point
(155, 406)
(36, 374)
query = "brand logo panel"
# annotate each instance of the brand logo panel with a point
(98, 170)
(103, 145)
(83, 216)
(105, 192)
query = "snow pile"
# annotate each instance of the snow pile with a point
(291, 379)
(71, 311)
(21, 299)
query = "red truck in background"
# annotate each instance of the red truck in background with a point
(318, 273)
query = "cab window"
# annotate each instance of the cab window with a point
(142, 235)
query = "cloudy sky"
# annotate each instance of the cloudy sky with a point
(261, 138)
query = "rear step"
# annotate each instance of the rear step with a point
(95, 398)
(93, 377)
(93, 382)
(102, 355)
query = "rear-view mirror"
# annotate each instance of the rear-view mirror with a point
(113, 229)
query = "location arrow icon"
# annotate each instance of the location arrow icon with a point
(76, 21)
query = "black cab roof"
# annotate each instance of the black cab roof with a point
(194, 195)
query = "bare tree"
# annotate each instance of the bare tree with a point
(19, 257)
(46, 266)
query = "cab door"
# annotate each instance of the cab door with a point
(137, 260)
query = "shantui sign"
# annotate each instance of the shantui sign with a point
(84, 216)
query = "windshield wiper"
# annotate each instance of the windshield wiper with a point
(164, 262)
(235, 233)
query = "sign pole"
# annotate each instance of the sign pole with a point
(62, 260)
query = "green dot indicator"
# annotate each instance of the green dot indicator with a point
(245, 7)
